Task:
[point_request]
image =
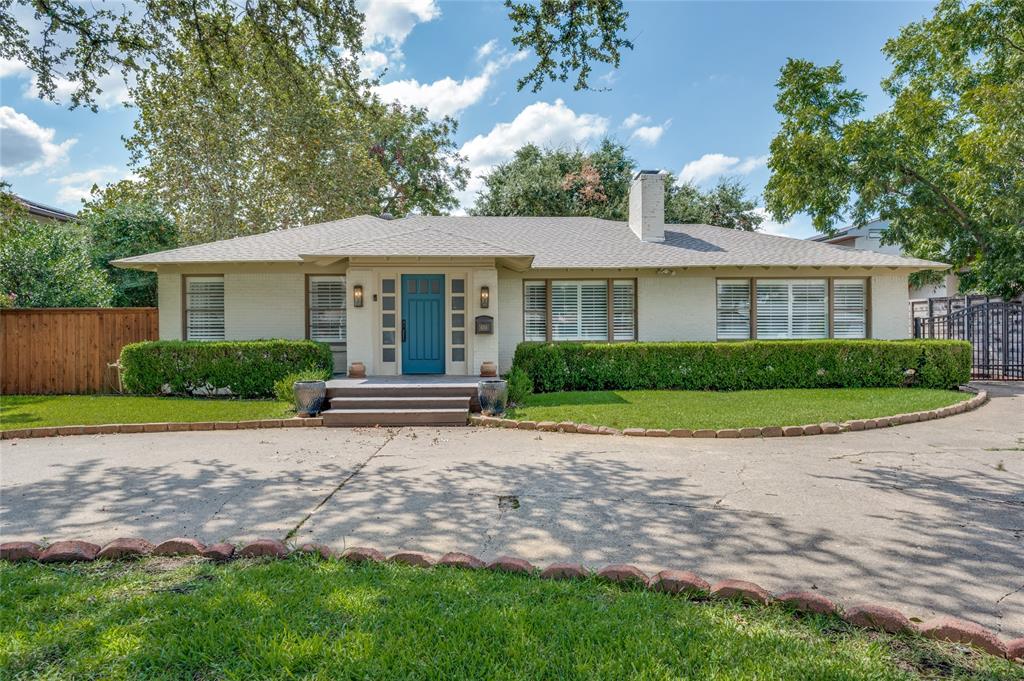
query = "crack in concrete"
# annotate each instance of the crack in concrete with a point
(391, 435)
(1007, 595)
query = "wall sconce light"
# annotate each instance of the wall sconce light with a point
(357, 295)
(485, 297)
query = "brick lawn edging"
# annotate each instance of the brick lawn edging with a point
(980, 397)
(165, 427)
(685, 584)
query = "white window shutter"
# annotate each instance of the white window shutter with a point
(733, 309)
(792, 308)
(772, 309)
(327, 309)
(849, 308)
(535, 311)
(624, 310)
(204, 308)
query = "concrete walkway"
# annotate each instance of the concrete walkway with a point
(927, 516)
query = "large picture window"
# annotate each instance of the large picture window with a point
(327, 313)
(579, 310)
(204, 308)
(791, 308)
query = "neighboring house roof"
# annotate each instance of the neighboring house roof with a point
(44, 211)
(847, 232)
(552, 242)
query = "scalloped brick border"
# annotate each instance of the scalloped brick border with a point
(681, 583)
(980, 397)
(172, 427)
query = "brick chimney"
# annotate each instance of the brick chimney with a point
(647, 205)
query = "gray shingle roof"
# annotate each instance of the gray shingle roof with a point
(553, 242)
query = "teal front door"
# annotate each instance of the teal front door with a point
(423, 323)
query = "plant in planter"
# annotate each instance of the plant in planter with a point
(305, 389)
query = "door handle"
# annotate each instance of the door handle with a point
(403, 330)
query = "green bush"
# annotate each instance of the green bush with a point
(748, 365)
(519, 385)
(284, 389)
(245, 368)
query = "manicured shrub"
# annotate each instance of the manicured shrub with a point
(238, 368)
(748, 365)
(519, 385)
(284, 389)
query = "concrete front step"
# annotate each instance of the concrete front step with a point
(401, 390)
(395, 417)
(404, 402)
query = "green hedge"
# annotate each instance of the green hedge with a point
(748, 365)
(246, 368)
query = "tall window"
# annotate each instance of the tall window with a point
(579, 310)
(535, 311)
(327, 319)
(733, 309)
(204, 308)
(849, 308)
(624, 309)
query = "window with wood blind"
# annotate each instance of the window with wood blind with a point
(849, 308)
(792, 308)
(733, 309)
(327, 311)
(204, 308)
(579, 310)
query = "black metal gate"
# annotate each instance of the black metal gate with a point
(995, 330)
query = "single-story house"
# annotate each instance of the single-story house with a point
(441, 295)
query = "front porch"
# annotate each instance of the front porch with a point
(440, 400)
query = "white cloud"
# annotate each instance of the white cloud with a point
(389, 22)
(650, 134)
(12, 67)
(713, 165)
(486, 49)
(635, 119)
(26, 147)
(446, 97)
(114, 91)
(541, 123)
(78, 185)
(795, 228)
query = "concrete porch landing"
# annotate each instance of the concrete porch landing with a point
(401, 400)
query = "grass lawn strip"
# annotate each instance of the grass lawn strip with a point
(35, 411)
(714, 410)
(186, 618)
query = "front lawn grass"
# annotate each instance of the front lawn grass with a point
(303, 618)
(700, 409)
(35, 411)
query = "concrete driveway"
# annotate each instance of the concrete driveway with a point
(927, 516)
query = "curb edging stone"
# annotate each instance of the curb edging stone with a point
(685, 584)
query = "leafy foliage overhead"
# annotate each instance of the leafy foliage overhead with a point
(83, 42)
(566, 182)
(568, 37)
(944, 163)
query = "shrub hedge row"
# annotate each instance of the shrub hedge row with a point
(749, 365)
(243, 368)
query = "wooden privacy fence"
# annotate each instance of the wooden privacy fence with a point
(68, 350)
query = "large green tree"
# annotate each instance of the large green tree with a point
(121, 222)
(596, 184)
(84, 42)
(283, 141)
(944, 164)
(46, 264)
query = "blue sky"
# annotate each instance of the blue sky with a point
(695, 96)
